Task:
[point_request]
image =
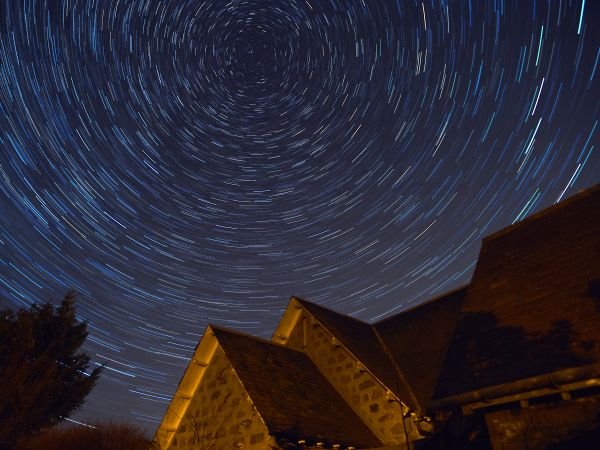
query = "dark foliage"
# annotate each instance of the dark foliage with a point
(593, 291)
(106, 436)
(459, 432)
(43, 376)
(485, 353)
(583, 440)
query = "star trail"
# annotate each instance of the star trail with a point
(185, 162)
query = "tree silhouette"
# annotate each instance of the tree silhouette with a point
(485, 353)
(43, 377)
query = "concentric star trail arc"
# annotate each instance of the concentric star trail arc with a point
(180, 163)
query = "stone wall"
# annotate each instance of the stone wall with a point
(362, 392)
(537, 426)
(220, 415)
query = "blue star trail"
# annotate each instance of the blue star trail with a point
(185, 162)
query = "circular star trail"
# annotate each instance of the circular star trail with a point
(180, 163)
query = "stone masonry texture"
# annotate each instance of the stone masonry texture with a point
(360, 390)
(220, 415)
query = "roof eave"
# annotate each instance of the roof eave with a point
(566, 380)
(186, 389)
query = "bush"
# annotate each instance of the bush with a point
(104, 436)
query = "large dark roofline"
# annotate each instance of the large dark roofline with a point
(550, 210)
(530, 309)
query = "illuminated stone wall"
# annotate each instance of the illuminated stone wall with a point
(362, 392)
(220, 415)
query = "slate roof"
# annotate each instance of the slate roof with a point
(418, 340)
(533, 305)
(291, 395)
(531, 309)
(363, 342)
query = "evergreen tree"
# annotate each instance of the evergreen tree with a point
(43, 376)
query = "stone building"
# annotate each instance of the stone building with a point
(510, 361)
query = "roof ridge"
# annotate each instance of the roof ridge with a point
(231, 331)
(401, 377)
(552, 209)
(346, 316)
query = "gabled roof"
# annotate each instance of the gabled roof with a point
(363, 342)
(292, 397)
(418, 340)
(531, 315)
(533, 305)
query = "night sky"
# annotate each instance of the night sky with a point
(185, 162)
